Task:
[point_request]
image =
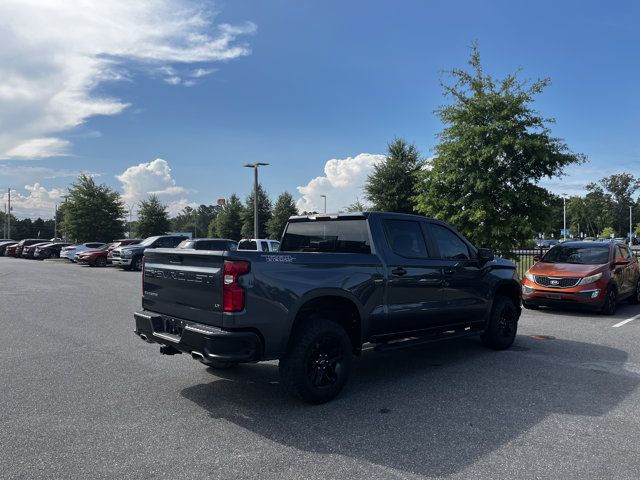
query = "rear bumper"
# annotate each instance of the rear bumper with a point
(202, 341)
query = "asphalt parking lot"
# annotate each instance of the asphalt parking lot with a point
(83, 397)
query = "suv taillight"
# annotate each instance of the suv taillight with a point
(232, 292)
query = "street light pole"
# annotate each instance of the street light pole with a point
(130, 207)
(325, 202)
(255, 193)
(55, 221)
(564, 216)
(630, 223)
(9, 216)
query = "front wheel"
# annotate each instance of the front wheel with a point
(530, 306)
(610, 302)
(136, 264)
(503, 325)
(318, 362)
(101, 262)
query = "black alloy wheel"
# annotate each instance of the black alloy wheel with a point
(325, 362)
(610, 302)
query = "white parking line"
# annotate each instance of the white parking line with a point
(626, 321)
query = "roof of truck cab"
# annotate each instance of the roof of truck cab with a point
(345, 215)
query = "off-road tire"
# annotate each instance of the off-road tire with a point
(502, 326)
(318, 361)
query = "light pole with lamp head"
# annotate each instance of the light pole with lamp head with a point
(564, 216)
(255, 166)
(130, 207)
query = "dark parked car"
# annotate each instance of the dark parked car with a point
(338, 282)
(29, 250)
(6, 243)
(50, 250)
(17, 252)
(121, 243)
(130, 257)
(220, 244)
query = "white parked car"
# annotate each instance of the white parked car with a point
(70, 251)
(259, 244)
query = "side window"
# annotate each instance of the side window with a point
(264, 246)
(275, 246)
(406, 239)
(450, 245)
(621, 252)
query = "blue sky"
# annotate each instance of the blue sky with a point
(296, 84)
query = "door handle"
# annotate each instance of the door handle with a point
(399, 271)
(449, 271)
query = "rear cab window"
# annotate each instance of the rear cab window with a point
(341, 235)
(247, 245)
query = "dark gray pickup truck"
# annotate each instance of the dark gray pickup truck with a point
(338, 282)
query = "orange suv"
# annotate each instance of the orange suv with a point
(596, 275)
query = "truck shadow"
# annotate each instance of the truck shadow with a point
(428, 411)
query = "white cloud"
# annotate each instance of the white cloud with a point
(38, 202)
(342, 183)
(154, 177)
(54, 54)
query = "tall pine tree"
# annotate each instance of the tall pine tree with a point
(264, 214)
(392, 185)
(153, 218)
(284, 208)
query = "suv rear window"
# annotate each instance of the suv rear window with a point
(247, 245)
(338, 236)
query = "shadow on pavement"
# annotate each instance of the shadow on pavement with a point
(428, 411)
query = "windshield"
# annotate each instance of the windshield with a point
(148, 241)
(581, 255)
(339, 236)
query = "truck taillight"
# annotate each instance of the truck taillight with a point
(232, 292)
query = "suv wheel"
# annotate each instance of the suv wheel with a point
(318, 362)
(101, 262)
(610, 302)
(136, 264)
(635, 298)
(503, 325)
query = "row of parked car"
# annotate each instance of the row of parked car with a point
(126, 253)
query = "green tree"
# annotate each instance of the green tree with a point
(264, 214)
(493, 151)
(358, 206)
(619, 189)
(92, 212)
(195, 220)
(153, 218)
(608, 232)
(228, 223)
(391, 186)
(284, 208)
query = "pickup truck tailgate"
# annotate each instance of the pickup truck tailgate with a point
(184, 284)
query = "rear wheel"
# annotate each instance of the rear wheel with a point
(635, 298)
(317, 364)
(101, 262)
(610, 302)
(503, 325)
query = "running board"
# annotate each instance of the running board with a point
(415, 341)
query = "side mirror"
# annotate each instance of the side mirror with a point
(536, 258)
(485, 255)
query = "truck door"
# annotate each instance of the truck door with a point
(414, 282)
(464, 292)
